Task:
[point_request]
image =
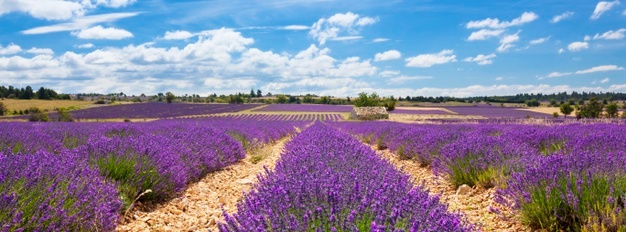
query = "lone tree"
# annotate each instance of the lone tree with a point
(259, 93)
(612, 110)
(169, 97)
(366, 100)
(566, 109)
(3, 109)
(592, 109)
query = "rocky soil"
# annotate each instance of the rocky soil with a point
(199, 208)
(477, 203)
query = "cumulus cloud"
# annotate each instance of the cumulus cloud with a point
(507, 42)
(177, 35)
(379, 40)
(338, 26)
(9, 50)
(611, 35)
(495, 23)
(603, 7)
(80, 23)
(577, 46)
(601, 68)
(428, 60)
(40, 51)
(403, 79)
(558, 18)
(484, 34)
(58, 9)
(388, 55)
(87, 45)
(99, 32)
(481, 59)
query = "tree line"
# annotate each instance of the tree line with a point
(28, 93)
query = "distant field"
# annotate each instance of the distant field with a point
(305, 108)
(497, 112)
(157, 110)
(13, 104)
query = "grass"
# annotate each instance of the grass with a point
(49, 105)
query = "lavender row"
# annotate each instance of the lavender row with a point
(277, 117)
(419, 112)
(306, 108)
(497, 112)
(117, 163)
(559, 177)
(328, 181)
(157, 110)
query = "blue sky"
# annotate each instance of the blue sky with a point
(328, 47)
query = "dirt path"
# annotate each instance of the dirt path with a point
(199, 207)
(475, 205)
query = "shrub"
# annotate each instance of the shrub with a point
(566, 109)
(366, 100)
(36, 115)
(555, 114)
(3, 109)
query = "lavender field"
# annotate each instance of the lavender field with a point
(496, 112)
(305, 108)
(559, 177)
(81, 176)
(157, 110)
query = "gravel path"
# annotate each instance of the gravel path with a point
(199, 207)
(475, 205)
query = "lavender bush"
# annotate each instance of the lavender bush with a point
(328, 181)
(49, 192)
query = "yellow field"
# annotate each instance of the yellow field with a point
(13, 104)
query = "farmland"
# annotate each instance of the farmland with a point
(306, 168)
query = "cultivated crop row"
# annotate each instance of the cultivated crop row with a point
(306, 108)
(157, 110)
(328, 181)
(278, 117)
(564, 177)
(81, 176)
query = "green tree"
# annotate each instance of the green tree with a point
(612, 110)
(3, 109)
(169, 97)
(591, 109)
(532, 103)
(366, 100)
(252, 94)
(308, 98)
(281, 99)
(259, 93)
(566, 109)
(64, 115)
(553, 103)
(37, 115)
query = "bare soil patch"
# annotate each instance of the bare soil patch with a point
(199, 208)
(479, 205)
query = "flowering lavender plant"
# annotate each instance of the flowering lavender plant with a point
(328, 181)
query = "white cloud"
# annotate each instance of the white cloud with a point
(80, 23)
(389, 73)
(295, 28)
(539, 41)
(624, 13)
(602, 68)
(58, 9)
(87, 45)
(40, 51)
(611, 35)
(558, 18)
(587, 38)
(561, 50)
(428, 60)
(499, 78)
(526, 17)
(484, 34)
(388, 55)
(379, 40)
(346, 38)
(99, 32)
(9, 50)
(507, 42)
(605, 80)
(338, 25)
(177, 35)
(481, 59)
(577, 46)
(403, 79)
(602, 7)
